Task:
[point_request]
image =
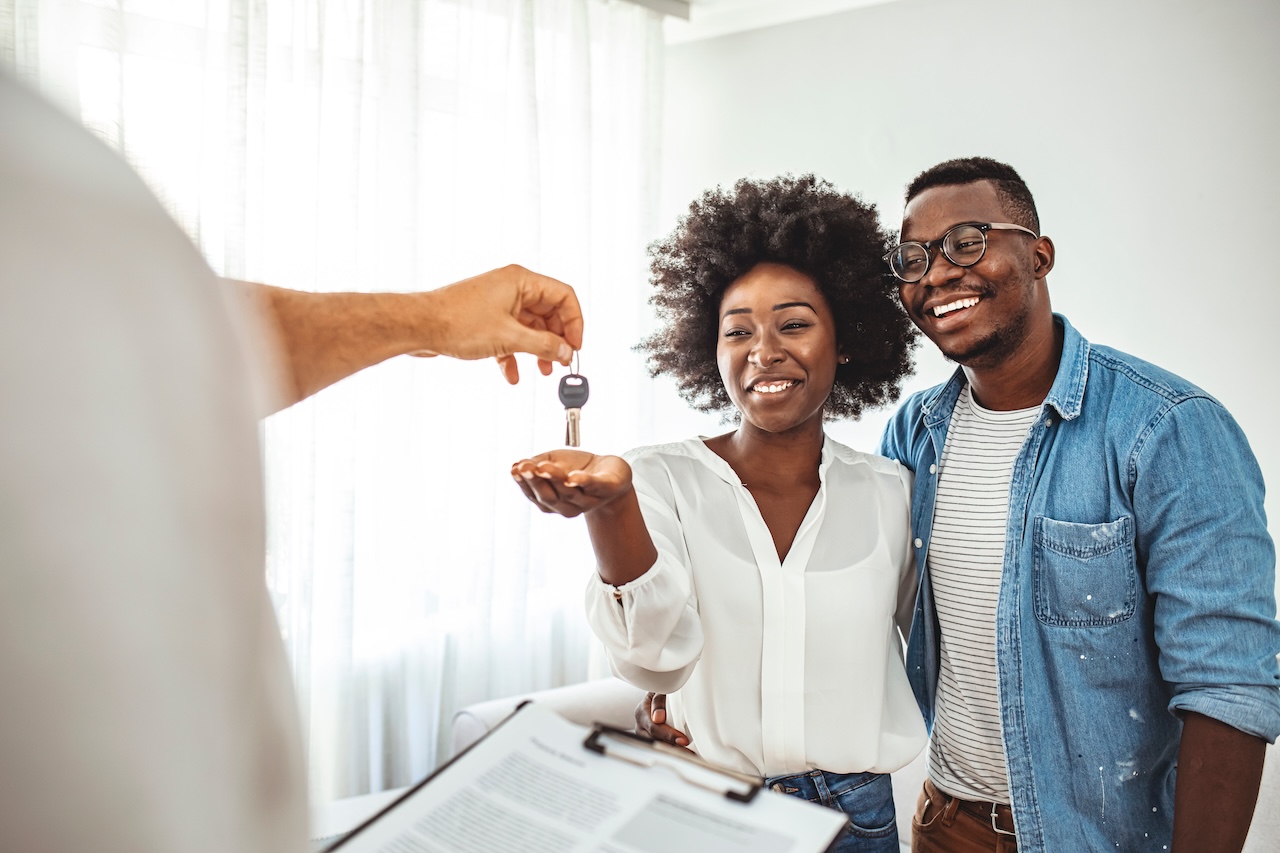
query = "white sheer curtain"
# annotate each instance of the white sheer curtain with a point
(395, 145)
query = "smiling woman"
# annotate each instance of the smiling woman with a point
(777, 351)
(737, 572)
(803, 223)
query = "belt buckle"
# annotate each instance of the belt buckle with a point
(995, 813)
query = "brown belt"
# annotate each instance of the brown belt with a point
(998, 815)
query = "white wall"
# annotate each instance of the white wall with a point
(1148, 130)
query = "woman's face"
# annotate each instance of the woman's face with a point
(777, 347)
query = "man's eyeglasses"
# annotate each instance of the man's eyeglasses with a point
(964, 245)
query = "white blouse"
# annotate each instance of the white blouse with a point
(772, 667)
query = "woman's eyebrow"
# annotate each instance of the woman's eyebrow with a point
(779, 307)
(776, 308)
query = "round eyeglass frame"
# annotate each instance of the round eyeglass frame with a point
(942, 243)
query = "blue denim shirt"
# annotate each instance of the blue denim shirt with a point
(1139, 580)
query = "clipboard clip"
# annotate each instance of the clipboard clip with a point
(644, 751)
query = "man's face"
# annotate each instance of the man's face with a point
(979, 315)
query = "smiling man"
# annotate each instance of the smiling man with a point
(1094, 643)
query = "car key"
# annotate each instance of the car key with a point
(574, 391)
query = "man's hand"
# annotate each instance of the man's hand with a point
(571, 482)
(325, 337)
(500, 313)
(651, 720)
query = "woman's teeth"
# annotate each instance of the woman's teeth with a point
(968, 302)
(773, 387)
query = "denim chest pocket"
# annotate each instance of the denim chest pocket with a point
(1084, 573)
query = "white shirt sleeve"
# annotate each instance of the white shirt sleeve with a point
(908, 577)
(650, 627)
(259, 340)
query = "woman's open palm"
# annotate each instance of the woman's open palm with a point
(571, 482)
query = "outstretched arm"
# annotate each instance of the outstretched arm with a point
(642, 604)
(325, 337)
(571, 482)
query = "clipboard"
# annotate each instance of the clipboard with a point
(339, 841)
(539, 781)
(645, 751)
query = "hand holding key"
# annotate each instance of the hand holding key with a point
(571, 482)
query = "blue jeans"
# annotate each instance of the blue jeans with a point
(865, 798)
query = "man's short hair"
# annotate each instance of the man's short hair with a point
(1014, 195)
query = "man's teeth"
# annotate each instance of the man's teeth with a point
(774, 387)
(969, 302)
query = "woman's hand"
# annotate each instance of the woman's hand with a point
(571, 482)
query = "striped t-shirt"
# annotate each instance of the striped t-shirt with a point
(965, 561)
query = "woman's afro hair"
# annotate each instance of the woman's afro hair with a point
(805, 223)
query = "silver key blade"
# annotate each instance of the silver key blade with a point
(572, 427)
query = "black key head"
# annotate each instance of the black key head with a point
(574, 391)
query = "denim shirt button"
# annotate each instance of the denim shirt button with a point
(919, 544)
(933, 469)
(1048, 422)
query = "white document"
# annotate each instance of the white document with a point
(532, 786)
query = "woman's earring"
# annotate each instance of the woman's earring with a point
(844, 359)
